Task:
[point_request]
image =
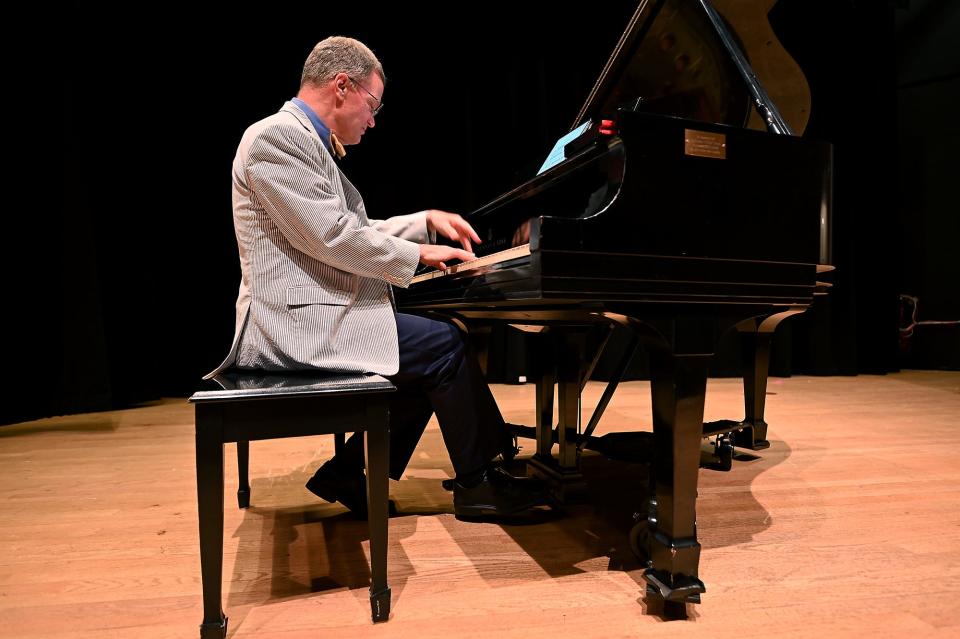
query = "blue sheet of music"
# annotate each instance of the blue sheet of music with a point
(556, 154)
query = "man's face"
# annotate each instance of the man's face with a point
(361, 100)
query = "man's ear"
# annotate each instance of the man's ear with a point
(341, 80)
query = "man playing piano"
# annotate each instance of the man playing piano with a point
(316, 286)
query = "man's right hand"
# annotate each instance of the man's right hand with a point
(438, 255)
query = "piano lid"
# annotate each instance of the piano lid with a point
(672, 60)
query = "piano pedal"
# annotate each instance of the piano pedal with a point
(511, 449)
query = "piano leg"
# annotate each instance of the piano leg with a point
(756, 336)
(678, 386)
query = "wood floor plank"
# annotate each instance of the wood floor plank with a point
(847, 526)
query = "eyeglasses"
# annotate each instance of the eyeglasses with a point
(374, 110)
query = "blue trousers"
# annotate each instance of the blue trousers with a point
(438, 375)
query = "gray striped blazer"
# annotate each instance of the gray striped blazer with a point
(315, 271)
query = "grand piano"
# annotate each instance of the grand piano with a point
(684, 206)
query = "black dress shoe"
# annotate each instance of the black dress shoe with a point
(350, 489)
(497, 493)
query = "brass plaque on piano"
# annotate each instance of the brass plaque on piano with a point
(704, 144)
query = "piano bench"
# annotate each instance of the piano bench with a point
(258, 405)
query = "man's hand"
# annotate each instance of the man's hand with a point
(437, 255)
(452, 226)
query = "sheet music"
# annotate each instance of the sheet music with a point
(556, 155)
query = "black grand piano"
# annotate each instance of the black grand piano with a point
(684, 206)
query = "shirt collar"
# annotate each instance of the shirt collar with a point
(322, 129)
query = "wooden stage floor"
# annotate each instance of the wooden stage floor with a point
(848, 526)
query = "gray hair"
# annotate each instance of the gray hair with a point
(338, 54)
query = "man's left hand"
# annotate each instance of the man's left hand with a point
(452, 226)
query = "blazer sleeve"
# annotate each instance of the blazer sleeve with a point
(284, 173)
(411, 227)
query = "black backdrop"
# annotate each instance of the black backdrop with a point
(138, 272)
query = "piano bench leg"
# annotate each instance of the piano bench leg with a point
(214, 630)
(243, 471)
(380, 605)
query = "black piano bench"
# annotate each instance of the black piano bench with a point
(253, 405)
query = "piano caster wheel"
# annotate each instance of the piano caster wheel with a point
(725, 452)
(640, 540)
